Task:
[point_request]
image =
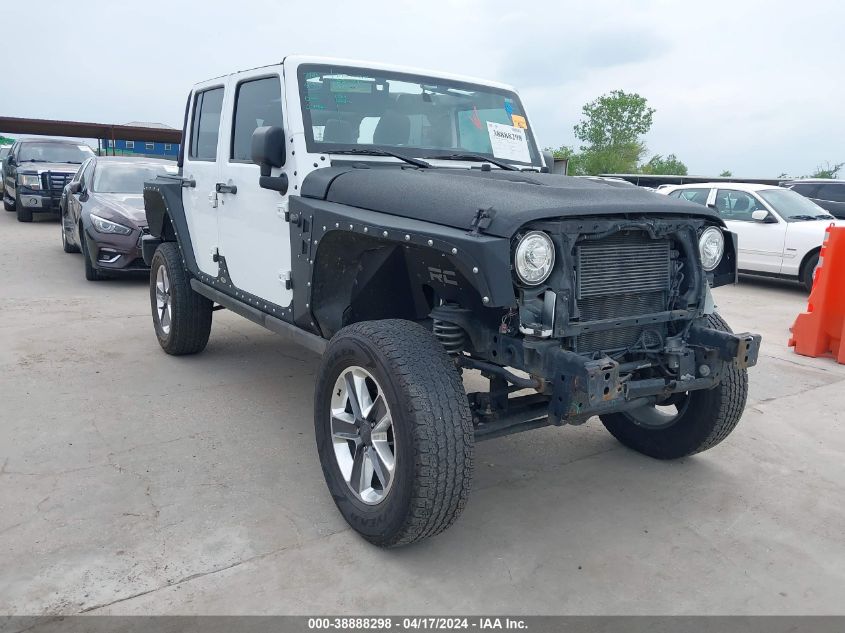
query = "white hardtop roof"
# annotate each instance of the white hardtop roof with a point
(295, 60)
(739, 186)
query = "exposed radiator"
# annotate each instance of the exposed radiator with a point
(627, 274)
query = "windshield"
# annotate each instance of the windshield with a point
(127, 177)
(793, 207)
(357, 109)
(54, 153)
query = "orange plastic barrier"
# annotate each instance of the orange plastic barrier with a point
(819, 331)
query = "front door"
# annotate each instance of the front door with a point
(201, 166)
(254, 236)
(760, 243)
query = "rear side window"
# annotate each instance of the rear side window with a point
(834, 192)
(257, 103)
(205, 127)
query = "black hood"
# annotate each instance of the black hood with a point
(453, 197)
(30, 167)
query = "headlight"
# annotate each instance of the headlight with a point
(102, 225)
(534, 258)
(711, 246)
(32, 181)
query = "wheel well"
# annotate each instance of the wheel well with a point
(167, 233)
(362, 278)
(806, 260)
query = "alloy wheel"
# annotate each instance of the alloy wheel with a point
(362, 435)
(163, 299)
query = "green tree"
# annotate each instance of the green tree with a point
(664, 166)
(611, 131)
(5, 140)
(726, 174)
(827, 171)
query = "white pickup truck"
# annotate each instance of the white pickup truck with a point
(404, 225)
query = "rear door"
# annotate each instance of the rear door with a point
(760, 244)
(254, 235)
(201, 165)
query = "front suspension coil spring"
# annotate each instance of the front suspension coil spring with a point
(451, 336)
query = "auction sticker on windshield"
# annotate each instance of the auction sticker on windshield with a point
(508, 142)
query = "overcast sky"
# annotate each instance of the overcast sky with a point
(754, 87)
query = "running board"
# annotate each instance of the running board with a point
(287, 330)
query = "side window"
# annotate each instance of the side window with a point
(205, 127)
(257, 103)
(77, 177)
(85, 179)
(736, 205)
(699, 196)
(832, 192)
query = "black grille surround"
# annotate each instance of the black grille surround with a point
(626, 274)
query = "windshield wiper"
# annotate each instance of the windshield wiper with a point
(37, 160)
(804, 217)
(825, 216)
(477, 157)
(381, 152)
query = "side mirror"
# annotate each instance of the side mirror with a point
(268, 151)
(549, 159)
(74, 187)
(761, 215)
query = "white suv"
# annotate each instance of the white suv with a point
(779, 231)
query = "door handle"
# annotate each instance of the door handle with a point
(222, 187)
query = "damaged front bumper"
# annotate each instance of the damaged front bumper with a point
(582, 387)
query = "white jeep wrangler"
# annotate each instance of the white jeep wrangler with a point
(404, 225)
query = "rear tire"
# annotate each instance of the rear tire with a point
(429, 440)
(707, 418)
(181, 316)
(24, 214)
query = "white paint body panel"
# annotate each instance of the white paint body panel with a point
(254, 236)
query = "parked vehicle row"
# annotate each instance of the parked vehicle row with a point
(780, 232)
(99, 199)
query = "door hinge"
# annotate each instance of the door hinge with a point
(215, 254)
(285, 278)
(212, 199)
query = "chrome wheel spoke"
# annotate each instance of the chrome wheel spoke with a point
(353, 394)
(356, 478)
(344, 427)
(382, 469)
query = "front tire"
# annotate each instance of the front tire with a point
(67, 247)
(808, 271)
(8, 203)
(91, 272)
(394, 431)
(703, 418)
(182, 317)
